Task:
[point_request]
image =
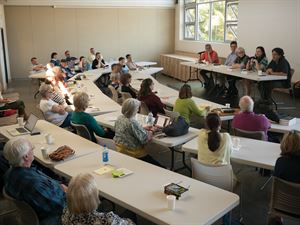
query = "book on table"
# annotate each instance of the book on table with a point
(287, 121)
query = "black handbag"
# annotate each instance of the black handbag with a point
(177, 128)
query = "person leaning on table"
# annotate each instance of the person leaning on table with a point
(82, 203)
(130, 136)
(214, 147)
(53, 112)
(25, 183)
(287, 166)
(186, 106)
(278, 66)
(81, 102)
(126, 87)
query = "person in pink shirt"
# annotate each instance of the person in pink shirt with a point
(249, 121)
(209, 56)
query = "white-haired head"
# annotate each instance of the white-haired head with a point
(130, 107)
(246, 104)
(16, 149)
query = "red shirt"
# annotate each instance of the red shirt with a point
(154, 104)
(213, 55)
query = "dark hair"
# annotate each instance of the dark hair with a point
(121, 58)
(32, 58)
(63, 60)
(185, 91)
(233, 43)
(53, 54)
(125, 79)
(97, 53)
(81, 57)
(91, 49)
(263, 53)
(279, 51)
(127, 56)
(67, 51)
(114, 65)
(213, 122)
(145, 89)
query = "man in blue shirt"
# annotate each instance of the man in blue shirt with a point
(124, 67)
(25, 183)
(65, 68)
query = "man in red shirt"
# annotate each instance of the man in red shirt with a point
(209, 56)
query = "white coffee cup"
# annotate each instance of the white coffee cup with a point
(236, 143)
(44, 153)
(259, 72)
(20, 120)
(227, 105)
(49, 139)
(171, 200)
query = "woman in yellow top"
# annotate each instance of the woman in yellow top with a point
(186, 106)
(214, 148)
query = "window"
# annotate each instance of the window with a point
(210, 20)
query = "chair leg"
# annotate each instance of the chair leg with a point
(265, 184)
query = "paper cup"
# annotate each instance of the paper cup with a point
(44, 153)
(259, 72)
(171, 201)
(227, 105)
(20, 121)
(49, 139)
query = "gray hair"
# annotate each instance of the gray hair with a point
(44, 88)
(246, 104)
(130, 107)
(241, 49)
(81, 101)
(16, 149)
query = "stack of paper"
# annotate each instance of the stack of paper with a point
(287, 121)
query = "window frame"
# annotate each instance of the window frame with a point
(195, 5)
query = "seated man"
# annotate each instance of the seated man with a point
(124, 67)
(35, 66)
(239, 63)
(98, 62)
(209, 56)
(115, 75)
(65, 69)
(54, 59)
(249, 121)
(6, 103)
(130, 64)
(25, 183)
(53, 112)
(92, 56)
(278, 66)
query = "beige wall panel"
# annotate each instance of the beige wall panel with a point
(42, 24)
(20, 41)
(166, 26)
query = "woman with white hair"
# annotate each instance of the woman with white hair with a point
(25, 183)
(249, 121)
(82, 203)
(79, 116)
(53, 112)
(130, 136)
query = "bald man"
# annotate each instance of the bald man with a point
(249, 121)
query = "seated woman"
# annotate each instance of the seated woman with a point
(7, 103)
(147, 96)
(82, 203)
(214, 148)
(256, 63)
(25, 183)
(52, 111)
(278, 66)
(186, 106)
(130, 136)
(126, 87)
(81, 102)
(115, 75)
(83, 64)
(287, 166)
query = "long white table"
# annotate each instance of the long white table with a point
(142, 191)
(61, 137)
(234, 72)
(285, 129)
(255, 153)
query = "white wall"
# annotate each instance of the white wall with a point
(2, 68)
(270, 23)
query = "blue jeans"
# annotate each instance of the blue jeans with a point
(67, 121)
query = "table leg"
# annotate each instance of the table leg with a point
(185, 166)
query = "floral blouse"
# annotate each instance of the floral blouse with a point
(93, 218)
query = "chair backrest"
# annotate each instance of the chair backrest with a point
(125, 95)
(15, 212)
(219, 176)
(144, 108)
(285, 197)
(82, 131)
(114, 93)
(110, 143)
(258, 135)
(171, 114)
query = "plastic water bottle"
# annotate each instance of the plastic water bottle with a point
(105, 155)
(150, 119)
